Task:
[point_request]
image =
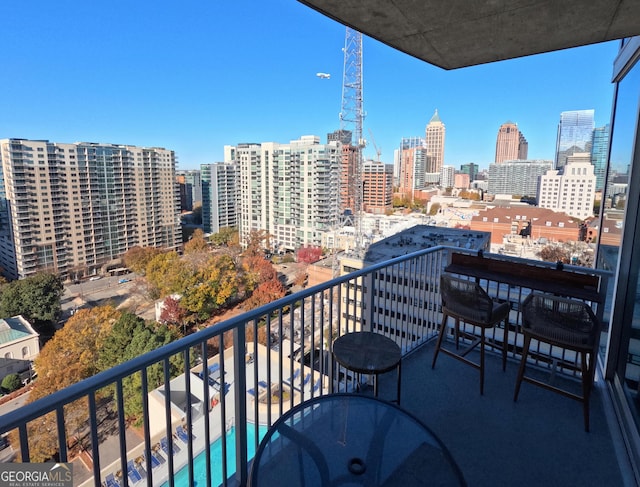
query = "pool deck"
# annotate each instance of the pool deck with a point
(302, 389)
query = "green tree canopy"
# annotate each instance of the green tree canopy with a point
(226, 237)
(131, 337)
(11, 382)
(36, 298)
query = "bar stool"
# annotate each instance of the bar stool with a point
(568, 324)
(465, 301)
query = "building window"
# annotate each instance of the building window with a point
(25, 352)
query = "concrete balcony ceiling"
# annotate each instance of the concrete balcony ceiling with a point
(459, 33)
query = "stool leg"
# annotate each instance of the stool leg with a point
(443, 330)
(482, 360)
(586, 389)
(525, 352)
(399, 379)
(505, 343)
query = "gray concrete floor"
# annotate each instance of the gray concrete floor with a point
(538, 440)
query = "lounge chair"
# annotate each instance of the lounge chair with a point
(263, 384)
(132, 472)
(252, 391)
(183, 435)
(164, 443)
(214, 367)
(155, 461)
(111, 481)
(317, 385)
(295, 375)
(140, 467)
(307, 378)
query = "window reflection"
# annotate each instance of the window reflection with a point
(612, 222)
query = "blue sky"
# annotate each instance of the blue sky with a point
(195, 75)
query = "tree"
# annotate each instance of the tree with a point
(257, 270)
(11, 382)
(265, 293)
(212, 287)
(172, 313)
(226, 237)
(196, 243)
(309, 255)
(401, 202)
(137, 258)
(257, 241)
(434, 209)
(69, 357)
(196, 214)
(553, 253)
(131, 337)
(300, 279)
(167, 274)
(36, 298)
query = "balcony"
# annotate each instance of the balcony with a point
(540, 439)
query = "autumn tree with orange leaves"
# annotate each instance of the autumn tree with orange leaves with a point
(70, 356)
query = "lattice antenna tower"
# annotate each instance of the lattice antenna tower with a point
(352, 118)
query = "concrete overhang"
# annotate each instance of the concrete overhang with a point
(456, 33)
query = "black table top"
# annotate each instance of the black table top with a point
(349, 439)
(366, 352)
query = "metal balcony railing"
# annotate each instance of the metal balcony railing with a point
(204, 422)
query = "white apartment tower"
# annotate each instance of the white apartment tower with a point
(571, 189)
(220, 195)
(74, 208)
(434, 136)
(289, 190)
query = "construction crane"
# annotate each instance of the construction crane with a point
(373, 141)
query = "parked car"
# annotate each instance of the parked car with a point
(95, 278)
(123, 280)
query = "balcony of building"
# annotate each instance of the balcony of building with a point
(540, 439)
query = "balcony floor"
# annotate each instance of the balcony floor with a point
(538, 440)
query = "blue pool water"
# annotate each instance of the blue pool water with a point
(181, 478)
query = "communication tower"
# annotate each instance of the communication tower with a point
(352, 118)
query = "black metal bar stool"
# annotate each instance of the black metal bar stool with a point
(465, 301)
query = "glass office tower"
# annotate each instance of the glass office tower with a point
(575, 133)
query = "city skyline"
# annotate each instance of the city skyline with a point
(228, 73)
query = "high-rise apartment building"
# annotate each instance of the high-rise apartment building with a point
(413, 165)
(220, 195)
(517, 177)
(289, 190)
(510, 144)
(599, 152)
(190, 188)
(575, 134)
(571, 189)
(342, 136)
(471, 168)
(447, 176)
(349, 183)
(434, 137)
(74, 208)
(377, 187)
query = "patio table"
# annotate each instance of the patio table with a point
(351, 439)
(366, 352)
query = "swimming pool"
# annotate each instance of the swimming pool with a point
(199, 462)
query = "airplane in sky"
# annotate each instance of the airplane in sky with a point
(323, 75)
